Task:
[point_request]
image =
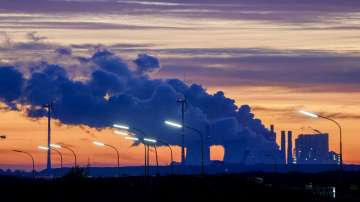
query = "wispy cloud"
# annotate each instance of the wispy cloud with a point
(289, 112)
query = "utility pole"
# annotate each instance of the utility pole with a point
(182, 101)
(49, 108)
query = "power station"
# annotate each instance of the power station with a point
(309, 149)
(314, 149)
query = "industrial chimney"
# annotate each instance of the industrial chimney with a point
(283, 147)
(273, 134)
(290, 150)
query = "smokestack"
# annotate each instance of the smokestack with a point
(290, 150)
(273, 134)
(283, 147)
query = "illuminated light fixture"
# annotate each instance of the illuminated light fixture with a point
(55, 146)
(150, 140)
(43, 148)
(132, 138)
(309, 114)
(121, 133)
(173, 124)
(98, 143)
(121, 126)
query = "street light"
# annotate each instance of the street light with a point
(135, 139)
(32, 159)
(201, 135)
(153, 141)
(150, 140)
(171, 155)
(114, 148)
(146, 147)
(55, 146)
(174, 124)
(120, 126)
(67, 148)
(57, 151)
(337, 124)
(132, 138)
(121, 133)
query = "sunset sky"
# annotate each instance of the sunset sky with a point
(276, 56)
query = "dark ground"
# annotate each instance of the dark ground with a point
(234, 187)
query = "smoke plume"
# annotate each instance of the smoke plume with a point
(104, 89)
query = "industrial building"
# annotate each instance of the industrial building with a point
(314, 149)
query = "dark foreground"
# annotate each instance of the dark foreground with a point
(237, 187)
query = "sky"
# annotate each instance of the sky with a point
(277, 56)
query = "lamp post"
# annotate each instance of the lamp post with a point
(58, 152)
(146, 147)
(171, 155)
(67, 148)
(32, 159)
(49, 111)
(201, 135)
(152, 142)
(183, 103)
(135, 139)
(114, 148)
(337, 124)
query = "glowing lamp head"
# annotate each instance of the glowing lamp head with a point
(121, 133)
(309, 114)
(119, 126)
(55, 146)
(43, 148)
(173, 124)
(150, 140)
(98, 143)
(132, 138)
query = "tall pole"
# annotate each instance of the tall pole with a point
(182, 101)
(183, 131)
(145, 160)
(48, 166)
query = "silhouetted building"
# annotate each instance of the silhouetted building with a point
(313, 149)
(283, 147)
(290, 159)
